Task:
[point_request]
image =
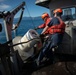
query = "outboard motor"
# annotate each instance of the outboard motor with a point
(30, 40)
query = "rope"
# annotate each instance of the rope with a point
(16, 26)
(21, 42)
(30, 17)
(66, 66)
(8, 42)
(21, 16)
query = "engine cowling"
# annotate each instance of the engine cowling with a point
(30, 40)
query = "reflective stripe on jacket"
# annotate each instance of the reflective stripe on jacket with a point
(60, 28)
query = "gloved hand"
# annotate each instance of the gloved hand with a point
(41, 35)
(36, 28)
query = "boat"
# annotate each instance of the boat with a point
(16, 53)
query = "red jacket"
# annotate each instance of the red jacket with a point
(45, 24)
(57, 28)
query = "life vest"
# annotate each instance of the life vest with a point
(45, 24)
(59, 28)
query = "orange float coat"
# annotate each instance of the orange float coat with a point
(59, 28)
(45, 24)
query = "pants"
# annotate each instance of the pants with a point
(53, 41)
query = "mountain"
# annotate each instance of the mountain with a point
(29, 18)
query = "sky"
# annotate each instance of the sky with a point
(31, 9)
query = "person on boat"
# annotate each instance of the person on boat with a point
(46, 18)
(56, 29)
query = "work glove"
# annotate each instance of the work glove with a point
(41, 35)
(36, 28)
(42, 38)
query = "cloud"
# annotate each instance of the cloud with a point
(4, 6)
(2, 0)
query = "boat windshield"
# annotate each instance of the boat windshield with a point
(69, 14)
